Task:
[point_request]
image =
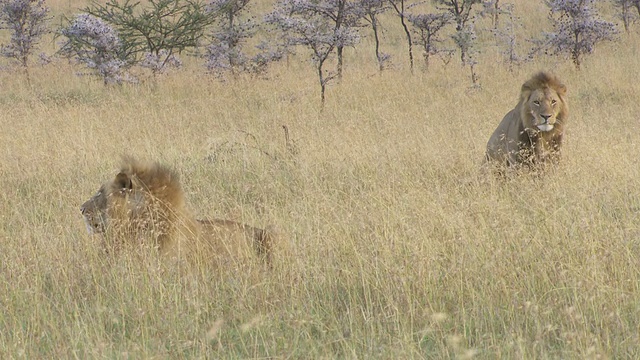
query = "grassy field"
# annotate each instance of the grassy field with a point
(393, 243)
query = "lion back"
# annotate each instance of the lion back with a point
(227, 239)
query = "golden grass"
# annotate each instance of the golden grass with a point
(398, 246)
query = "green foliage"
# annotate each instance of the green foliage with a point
(163, 28)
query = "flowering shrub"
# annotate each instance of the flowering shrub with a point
(577, 29)
(160, 62)
(312, 24)
(27, 21)
(506, 36)
(161, 28)
(226, 53)
(95, 44)
(427, 28)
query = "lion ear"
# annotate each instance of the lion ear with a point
(562, 90)
(525, 92)
(123, 182)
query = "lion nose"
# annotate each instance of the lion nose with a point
(545, 117)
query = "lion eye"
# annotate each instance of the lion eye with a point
(536, 102)
(553, 102)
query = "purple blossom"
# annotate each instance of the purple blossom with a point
(92, 42)
(624, 13)
(577, 29)
(227, 6)
(312, 24)
(27, 21)
(226, 53)
(323, 26)
(160, 62)
(302, 24)
(466, 38)
(507, 36)
(427, 28)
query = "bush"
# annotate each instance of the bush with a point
(27, 21)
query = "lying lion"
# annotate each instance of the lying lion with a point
(532, 132)
(144, 202)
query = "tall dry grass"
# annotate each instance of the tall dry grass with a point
(394, 244)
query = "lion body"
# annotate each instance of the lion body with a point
(145, 204)
(532, 132)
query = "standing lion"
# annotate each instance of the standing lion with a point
(532, 132)
(145, 204)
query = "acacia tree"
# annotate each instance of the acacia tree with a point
(342, 15)
(461, 12)
(95, 44)
(400, 7)
(506, 36)
(302, 25)
(577, 29)
(494, 9)
(427, 28)
(27, 21)
(624, 11)
(370, 9)
(163, 28)
(466, 41)
(226, 52)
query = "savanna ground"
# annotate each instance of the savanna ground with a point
(394, 243)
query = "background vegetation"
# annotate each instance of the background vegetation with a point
(394, 243)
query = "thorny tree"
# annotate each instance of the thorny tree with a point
(623, 8)
(226, 53)
(577, 29)
(342, 15)
(427, 28)
(302, 25)
(461, 12)
(400, 7)
(369, 11)
(163, 28)
(27, 21)
(507, 39)
(92, 42)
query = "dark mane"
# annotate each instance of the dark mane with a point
(158, 180)
(544, 80)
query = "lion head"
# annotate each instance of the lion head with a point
(543, 103)
(145, 204)
(533, 131)
(94, 212)
(144, 201)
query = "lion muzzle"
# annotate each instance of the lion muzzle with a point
(545, 127)
(94, 226)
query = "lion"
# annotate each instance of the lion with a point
(532, 132)
(145, 204)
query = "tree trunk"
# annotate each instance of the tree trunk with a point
(339, 51)
(400, 12)
(374, 25)
(406, 31)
